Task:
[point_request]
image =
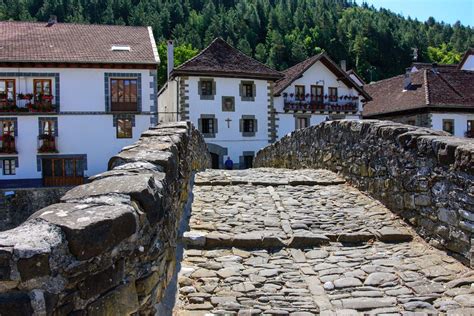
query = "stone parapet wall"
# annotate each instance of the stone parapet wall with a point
(108, 248)
(425, 176)
(16, 205)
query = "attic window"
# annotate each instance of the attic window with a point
(120, 48)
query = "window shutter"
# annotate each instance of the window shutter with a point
(17, 164)
(200, 125)
(215, 126)
(241, 125)
(56, 129)
(254, 90)
(213, 87)
(199, 87)
(255, 125)
(241, 89)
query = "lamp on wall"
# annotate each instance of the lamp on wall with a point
(320, 81)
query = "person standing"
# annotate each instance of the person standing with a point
(229, 164)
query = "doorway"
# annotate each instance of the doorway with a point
(214, 161)
(63, 171)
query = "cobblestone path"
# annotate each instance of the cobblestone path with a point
(302, 242)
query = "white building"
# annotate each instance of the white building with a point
(71, 96)
(440, 97)
(314, 91)
(228, 95)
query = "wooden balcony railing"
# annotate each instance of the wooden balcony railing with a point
(314, 106)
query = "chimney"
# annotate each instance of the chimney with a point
(52, 20)
(170, 57)
(407, 79)
(343, 65)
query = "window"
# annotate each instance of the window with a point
(207, 126)
(299, 93)
(448, 126)
(42, 90)
(317, 94)
(470, 129)
(249, 126)
(7, 137)
(206, 87)
(124, 128)
(333, 94)
(7, 91)
(123, 95)
(248, 90)
(47, 141)
(301, 122)
(9, 167)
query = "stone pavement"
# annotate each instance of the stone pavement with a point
(303, 242)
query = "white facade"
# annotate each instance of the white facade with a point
(461, 121)
(229, 138)
(290, 110)
(84, 122)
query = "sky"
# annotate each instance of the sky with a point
(448, 11)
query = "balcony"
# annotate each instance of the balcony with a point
(346, 104)
(7, 144)
(469, 134)
(47, 144)
(27, 103)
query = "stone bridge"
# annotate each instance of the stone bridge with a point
(344, 218)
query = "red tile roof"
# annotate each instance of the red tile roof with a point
(75, 43)
(295, 72)
(222, 60)
(440, 88)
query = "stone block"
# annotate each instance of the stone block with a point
(308, 240)
(142, 188)
(448, 216)
(5, 265)
(91, 230)
(146, 284)
(101, 282)
(122, 300)
(33, 267)
(15, 303)
(389, 234)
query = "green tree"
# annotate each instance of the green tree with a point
(182, 53)
(443, 55)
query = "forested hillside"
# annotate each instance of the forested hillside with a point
(280, 33)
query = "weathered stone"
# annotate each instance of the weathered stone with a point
(347, 282)
(379, 278)
(364, 303)
(120, 301)
(91, 230)
(33, 267)
(309, 240)
(16, 303)
(141, 187)
(389, 234)
(317, 254)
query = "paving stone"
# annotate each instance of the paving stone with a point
(274, 246)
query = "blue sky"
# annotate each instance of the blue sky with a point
(448, 11)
